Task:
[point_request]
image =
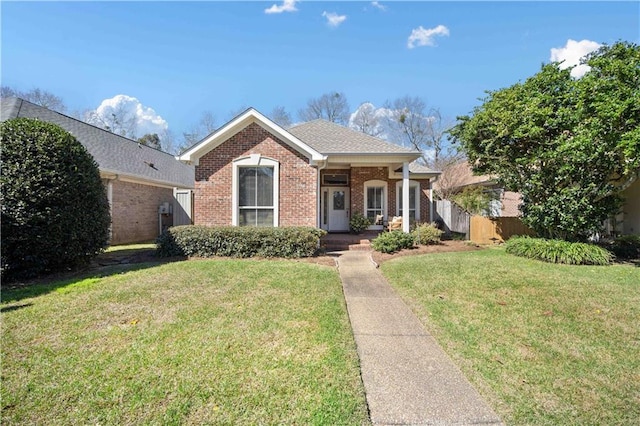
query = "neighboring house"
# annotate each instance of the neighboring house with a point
(142, 183)
(459, 176)
(251, 171)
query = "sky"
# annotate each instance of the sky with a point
(171, 61)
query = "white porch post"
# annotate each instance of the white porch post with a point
(405, 197)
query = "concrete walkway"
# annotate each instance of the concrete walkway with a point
(408, 378)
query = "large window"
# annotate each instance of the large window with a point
(414, 197)
(375, 201)
(255, 196)
(255, 187)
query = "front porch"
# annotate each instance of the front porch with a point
(344, 241)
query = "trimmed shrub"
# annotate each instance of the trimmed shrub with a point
(55, 213)
(204, 241)
(390, 242)
(359, 223)
(625, 247)
(427, 233)
(558, 251)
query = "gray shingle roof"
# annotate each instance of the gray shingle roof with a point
(330, 138)
(113, 153)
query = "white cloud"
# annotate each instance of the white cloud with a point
(379, 6)
(127, 116)
(571, 54)
(286, 6)
(424, 37)
(333, 19)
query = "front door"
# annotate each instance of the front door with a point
(338, 209)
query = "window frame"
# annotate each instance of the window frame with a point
(415, 186)
(255, 160)
(385, 199)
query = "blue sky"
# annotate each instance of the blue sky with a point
(181, 59)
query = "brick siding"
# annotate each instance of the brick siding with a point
(360, 175)
(214, 178)
(134, 211)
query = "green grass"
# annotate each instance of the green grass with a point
(198, 342)
(546, 344)
(126, 247)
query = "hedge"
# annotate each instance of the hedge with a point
(558, 251)
(55, 213)
(204, 241)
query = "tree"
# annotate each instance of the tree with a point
(280, 116)
(55, 213)
(150, 139)
(37, 96)
(120, 120)
(568, 146)
(205, 125)
(410, 123)
(333, 107)
(366, 120)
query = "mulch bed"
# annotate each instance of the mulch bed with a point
(443, 247)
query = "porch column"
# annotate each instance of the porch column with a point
(405, 197)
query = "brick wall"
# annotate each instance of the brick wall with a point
(134, 211)
(359, 175)
(214, 176)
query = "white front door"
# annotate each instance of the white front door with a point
(338, 209)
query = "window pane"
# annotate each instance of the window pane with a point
(412, 199)
(338, 200)
(247, 217)
(264, 217)
(374, 198)
(264, 190)
(247, 183)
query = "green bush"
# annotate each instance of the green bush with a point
(55, 213)
(204, 241)
(625, 247)
(390, 242)
(558, 251)
(427, 233)
(359, 223)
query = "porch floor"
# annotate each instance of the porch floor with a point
(345, 241)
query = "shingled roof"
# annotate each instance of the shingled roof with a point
(113, 153)
(330, 138)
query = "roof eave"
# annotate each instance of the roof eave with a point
(212, 141)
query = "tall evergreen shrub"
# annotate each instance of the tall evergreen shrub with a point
(55, 213)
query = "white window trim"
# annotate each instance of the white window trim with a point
(415, 186)
(252, 161)
(385, 199)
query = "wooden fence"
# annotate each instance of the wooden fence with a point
(452, 217)
(493, 230)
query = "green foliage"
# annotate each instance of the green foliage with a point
(566, 145)
(427, 233)
(625, 247)
(558, 251)
(203, 241)
(359, 223)
(474, 200)
(150, 139)
(390, 242)
(55, 213)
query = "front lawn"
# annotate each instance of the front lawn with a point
(199, 342)
(546, 344)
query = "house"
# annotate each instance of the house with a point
(458, 176)
(251, 171)
(142, 183)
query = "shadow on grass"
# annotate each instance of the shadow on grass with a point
(104, 265)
